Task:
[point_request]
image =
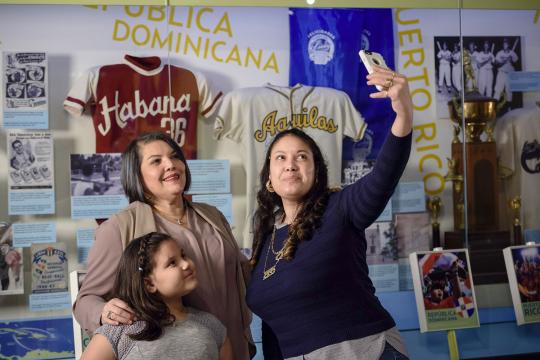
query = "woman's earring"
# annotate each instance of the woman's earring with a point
(148, 197)
(269, 186)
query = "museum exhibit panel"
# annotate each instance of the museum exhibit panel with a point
(80, 80)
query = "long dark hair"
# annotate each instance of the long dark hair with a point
(131, 176)
(311, 211)
(136, 263)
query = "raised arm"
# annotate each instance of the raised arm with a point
(366, 199)
(398, 92)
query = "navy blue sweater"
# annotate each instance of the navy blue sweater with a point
(324, 295)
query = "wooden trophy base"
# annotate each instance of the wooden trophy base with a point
(482, 183)
(485, 251)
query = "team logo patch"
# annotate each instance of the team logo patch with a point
(464, 307)
(530, 157)
(321, 46)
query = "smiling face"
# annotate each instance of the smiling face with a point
(292, 168)
(162, 170)
(17, 146)
(173, 274)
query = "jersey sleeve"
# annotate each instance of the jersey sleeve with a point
(228, 121)
(209, 97)
(82, 93)
(353, 122)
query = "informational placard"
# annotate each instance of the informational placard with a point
(382, 256)
(210, 176)
(444, 290)
(31, 173)
(50, 301)
(85, 239)
(96, 191)
(523, 268)
(25, 100)
(409, 197)
(222, 201)
(524, 80)
(26, 234)
(49, 268)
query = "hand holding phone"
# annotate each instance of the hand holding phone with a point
(370, 58)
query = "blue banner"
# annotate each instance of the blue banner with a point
(324, 52)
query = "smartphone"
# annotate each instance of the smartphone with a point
(369, 58)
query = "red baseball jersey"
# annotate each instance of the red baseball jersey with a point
(142, 95)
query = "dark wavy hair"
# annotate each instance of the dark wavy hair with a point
(311, 211)
(136, 263)
(131, 176)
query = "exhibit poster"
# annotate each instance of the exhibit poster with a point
(444, 290)
(523, 269)
(96, 191)
(31, 173)
(25, 92)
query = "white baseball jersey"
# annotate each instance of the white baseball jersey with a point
(485, 73)
(505, 58)
(253, 116)
(456, 70)
(445, 57)
(517, 134)
(142, 95)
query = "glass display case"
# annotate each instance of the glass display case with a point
(70, 102)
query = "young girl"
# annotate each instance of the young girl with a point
(152, 277)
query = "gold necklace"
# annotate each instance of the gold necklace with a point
(278, 255)
(177, 220)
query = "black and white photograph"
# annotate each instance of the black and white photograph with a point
(35, 73)
(488, 61)
(11, 263)
(21, 154)
(96, 174)
(35, 90)
(382, 246)
(15, 91)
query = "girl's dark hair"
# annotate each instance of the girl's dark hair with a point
(131, 176)
(136, 263)
(312, 208)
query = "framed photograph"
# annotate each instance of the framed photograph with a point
(523, 269)
(444, 290)
(492, 58)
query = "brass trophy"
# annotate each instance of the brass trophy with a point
(515, 205)
(434, 207)
(474, 165)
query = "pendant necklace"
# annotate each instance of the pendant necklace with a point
(179, 220)
(278, 255)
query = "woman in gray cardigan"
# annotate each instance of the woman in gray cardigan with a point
(155, 176)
